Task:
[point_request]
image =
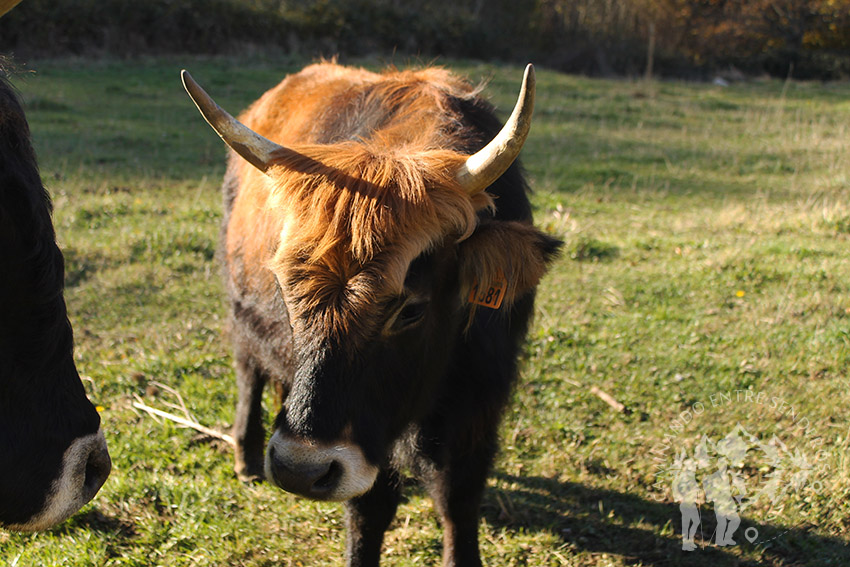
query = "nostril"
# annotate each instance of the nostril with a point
(92, 474)
(98, 467)
(328, 481)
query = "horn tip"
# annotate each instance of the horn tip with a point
(528, 76)
(186, 78)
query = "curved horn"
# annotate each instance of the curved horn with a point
(244, 141)
(6, 5)
(488, 164)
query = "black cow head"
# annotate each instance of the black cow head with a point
(53, 457)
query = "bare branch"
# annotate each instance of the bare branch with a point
(187, 421)
(607, 398)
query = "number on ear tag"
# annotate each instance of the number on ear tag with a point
(489, 295)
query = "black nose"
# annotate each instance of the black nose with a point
(98, 467)
(316, 480)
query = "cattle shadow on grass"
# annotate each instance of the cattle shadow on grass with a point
(99, 522)
(606, 521)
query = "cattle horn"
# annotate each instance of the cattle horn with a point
(488, 164)
(6, 5)
(244, 141)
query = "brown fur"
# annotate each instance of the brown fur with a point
(355, 212)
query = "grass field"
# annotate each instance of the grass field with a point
(705, 284)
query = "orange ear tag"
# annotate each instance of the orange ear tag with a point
(489, 295)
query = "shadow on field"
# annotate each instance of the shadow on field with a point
(99, 522)
(606, 521)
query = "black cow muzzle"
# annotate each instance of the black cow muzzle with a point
(85, 467)
(319, 471)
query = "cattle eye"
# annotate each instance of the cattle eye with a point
(412, 313)
(409, 315)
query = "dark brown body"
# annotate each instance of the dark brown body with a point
(348, 264)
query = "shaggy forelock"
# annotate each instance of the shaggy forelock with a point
(359, 213)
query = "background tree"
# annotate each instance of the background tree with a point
(691, 37)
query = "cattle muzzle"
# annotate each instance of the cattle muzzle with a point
(85, 467)
(319, 471)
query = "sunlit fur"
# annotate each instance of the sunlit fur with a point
(352, 238)
(353, 213)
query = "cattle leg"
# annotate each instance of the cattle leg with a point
(248, 431)
(457, 490)
(367, 519)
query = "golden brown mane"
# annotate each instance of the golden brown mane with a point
(364, 206)
(359, 197)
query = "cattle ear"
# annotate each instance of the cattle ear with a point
(511, 256)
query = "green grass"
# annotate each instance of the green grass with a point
(706, 252)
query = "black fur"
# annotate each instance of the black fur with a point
(43, 406)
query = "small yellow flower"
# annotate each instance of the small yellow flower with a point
(740, 293)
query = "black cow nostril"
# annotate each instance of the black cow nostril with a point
(98, 467)
(328, 481)
(93, 475)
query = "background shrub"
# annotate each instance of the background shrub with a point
(603, 37)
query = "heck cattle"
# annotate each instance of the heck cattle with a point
(53, 457)
(363, 224)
